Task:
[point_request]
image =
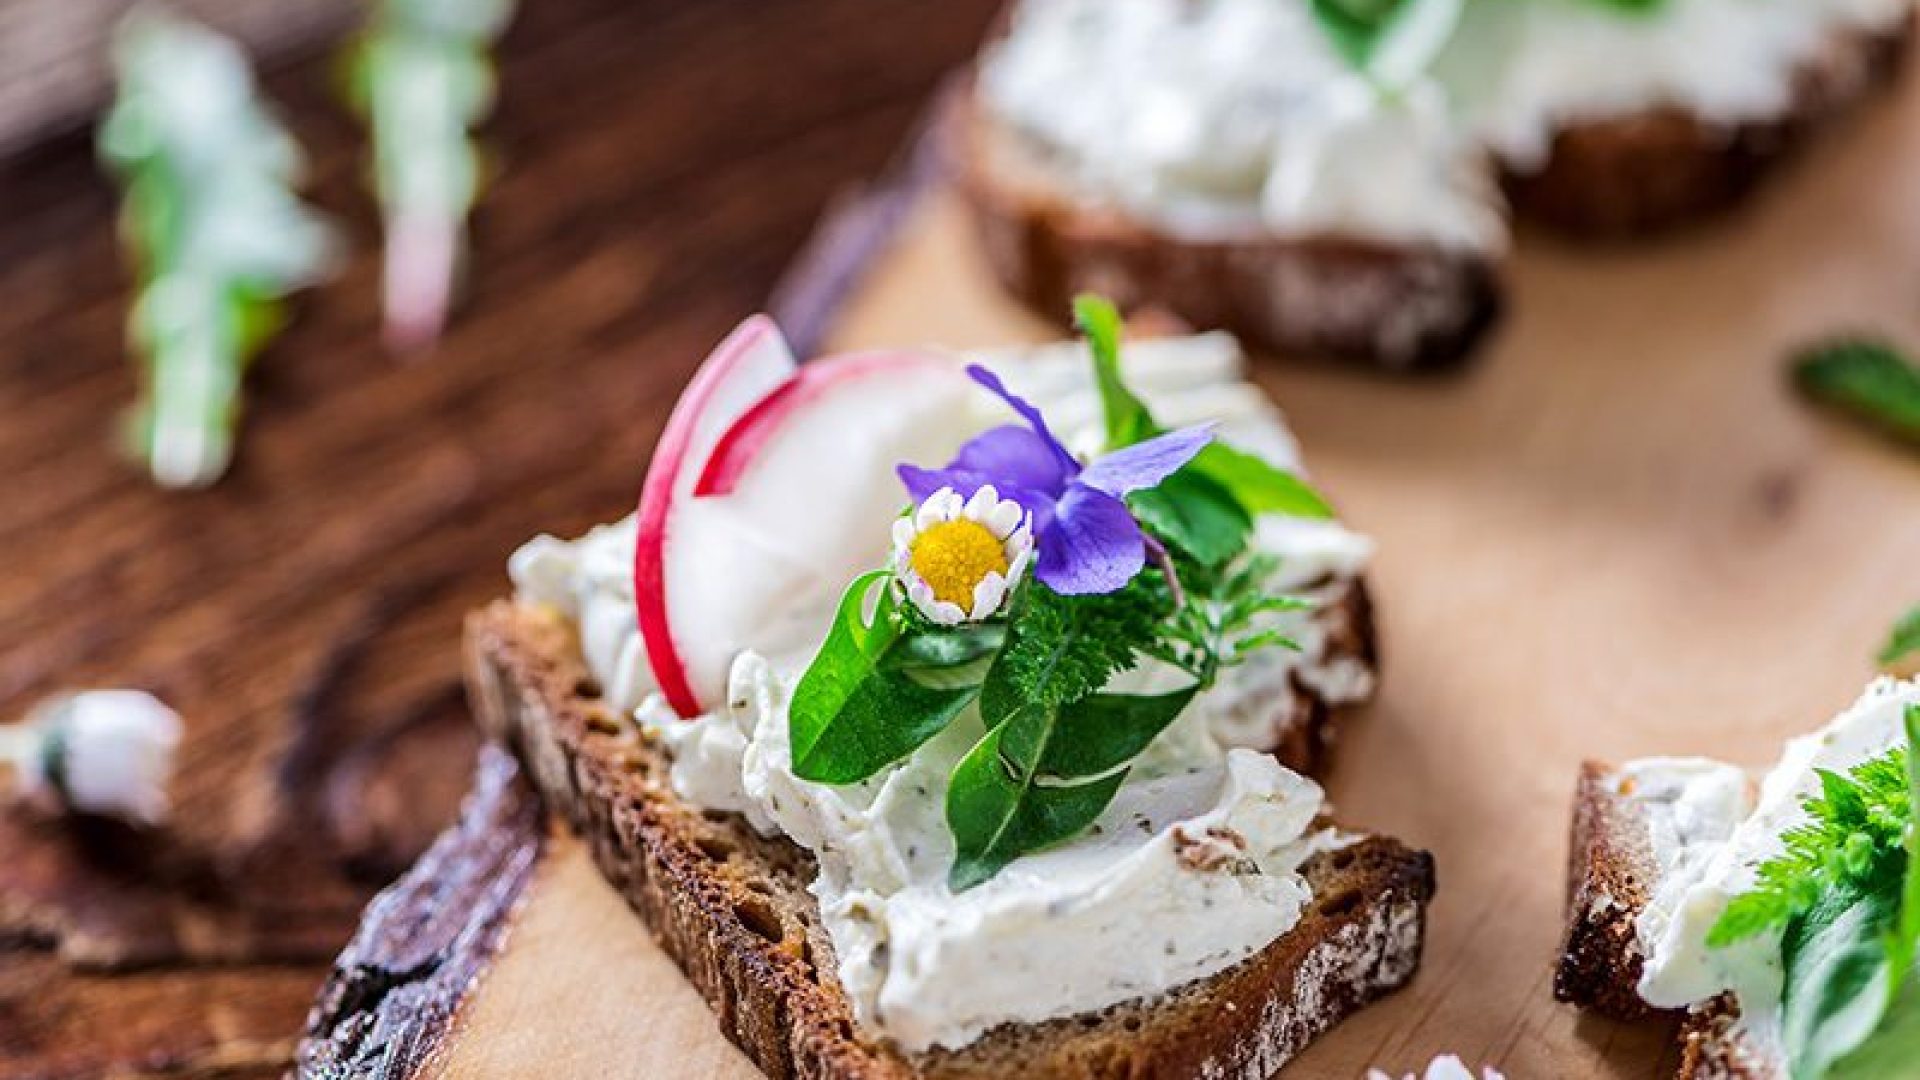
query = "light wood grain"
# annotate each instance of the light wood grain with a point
(1618, 534)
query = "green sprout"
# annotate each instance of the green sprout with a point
(216, 234)
(422, 77)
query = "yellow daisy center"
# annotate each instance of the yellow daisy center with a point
(954, 556)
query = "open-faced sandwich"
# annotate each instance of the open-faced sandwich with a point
(1779, 915)
(926, 711)
(1335, 175)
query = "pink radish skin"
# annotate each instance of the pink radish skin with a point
(752, 364)
(740, 447)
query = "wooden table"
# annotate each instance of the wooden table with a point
(659, 163)
(1618, 533)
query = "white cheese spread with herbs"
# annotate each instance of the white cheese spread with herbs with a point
(1192, 868)
(1210, 115)
(1710, 835)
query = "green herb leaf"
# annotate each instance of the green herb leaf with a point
(1837, 974)
(1846, 892)
(1195, 515)
(1128, 419)
(1392, 41)
(1893, 1047)
(1104, 732)
(1853, 826)
(1056, 748)
(1906, 937)
(1259, 485)
(854, 712)
(1903, 643)
(1869, 380)
(999, 811)
(1063, 648)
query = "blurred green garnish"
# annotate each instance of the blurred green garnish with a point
(216, 234)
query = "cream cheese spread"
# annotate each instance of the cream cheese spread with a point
(1711, 838)
(1192, 868)
(1211, 115)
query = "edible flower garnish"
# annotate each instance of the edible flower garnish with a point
(957, 558)
(1843, 900)
(1089, 541)
(1022, 581)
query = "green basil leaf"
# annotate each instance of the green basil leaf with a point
(1128, 420)
(1260, 486)
(998, 810)
(1103, 732)
(1837, 978)
(851, 714)
(1904, 641)
(1869, 380)
(1195, 514)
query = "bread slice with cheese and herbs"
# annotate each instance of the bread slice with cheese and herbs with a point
(1662, 848)
(1341, 180)
(732, 908)
(992, 784)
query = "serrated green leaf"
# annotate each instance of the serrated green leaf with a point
(1870, 801)
(1061, 648)
(1869, 380)
(851, 714)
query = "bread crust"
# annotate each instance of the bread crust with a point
(1399, 307)
(732, 909)
(1611, 874)
(1627, 177)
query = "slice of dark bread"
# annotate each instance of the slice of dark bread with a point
(1611, 874)
(1394, 306)
(732, 909)
(1629, 176)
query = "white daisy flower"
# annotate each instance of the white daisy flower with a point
(959, 558)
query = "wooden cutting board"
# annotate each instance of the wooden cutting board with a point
(1618, 533)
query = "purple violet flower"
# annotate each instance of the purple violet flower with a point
(1087, 540)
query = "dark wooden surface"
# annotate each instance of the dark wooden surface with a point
(658, 163)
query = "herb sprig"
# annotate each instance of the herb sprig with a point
(1057, 741)
(216, 233)
(1844, 896)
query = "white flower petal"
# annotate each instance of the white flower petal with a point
(982, 503)
(987, 595)
(1004, 518)
(1017, 565)
(903, 532)
(947, 614)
